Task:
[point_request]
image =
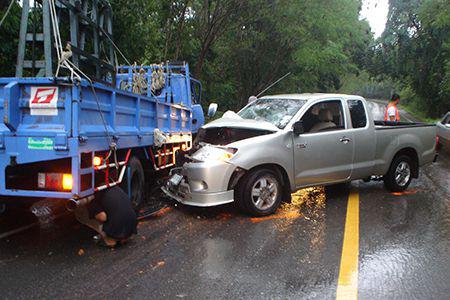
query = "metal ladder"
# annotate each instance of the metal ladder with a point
(38, 67)
(88, 30)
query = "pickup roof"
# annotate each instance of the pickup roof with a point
(279, 144)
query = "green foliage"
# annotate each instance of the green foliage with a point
(318, 41)
(237, 48)
(363, 84)
(414, 51)
(9, 39)
(136, 29)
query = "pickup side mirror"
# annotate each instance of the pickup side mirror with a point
(298, 128)
(212, 109)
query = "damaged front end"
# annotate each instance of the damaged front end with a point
(222, 136)
(203, 181)
(209, 176)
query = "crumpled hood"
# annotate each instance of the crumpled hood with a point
(232, 120)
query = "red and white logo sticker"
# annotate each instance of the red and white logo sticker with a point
(44, 101)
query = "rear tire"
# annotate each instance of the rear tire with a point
(137, 180)
(259, 193)
(399, 175)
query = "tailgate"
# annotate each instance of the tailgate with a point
(35, 108)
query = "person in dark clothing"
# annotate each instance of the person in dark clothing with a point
(111, 215)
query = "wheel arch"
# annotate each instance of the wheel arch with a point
(239, 174)
(412, 154)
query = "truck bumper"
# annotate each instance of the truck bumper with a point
(201, 184)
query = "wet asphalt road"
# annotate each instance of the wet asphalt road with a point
(191, 253)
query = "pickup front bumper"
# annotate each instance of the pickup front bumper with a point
(201, 184)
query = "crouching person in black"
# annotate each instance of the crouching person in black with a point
(111, 215)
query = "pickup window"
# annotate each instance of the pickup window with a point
(324, 116)
(357, 113)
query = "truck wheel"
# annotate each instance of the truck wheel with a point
(399, 175)
(259, 193)
(137, 180)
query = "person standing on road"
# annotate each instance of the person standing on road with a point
(392, 114)
(111, 215)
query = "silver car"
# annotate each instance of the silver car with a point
(278, 144)
(443, 132)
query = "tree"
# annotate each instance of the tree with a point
(414, 51)
(213, 18)
(239, 47)
(136, 29)
(9, 38)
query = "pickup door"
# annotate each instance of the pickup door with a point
(324, 152)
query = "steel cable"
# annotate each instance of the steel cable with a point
(7, 12)
(64, 61)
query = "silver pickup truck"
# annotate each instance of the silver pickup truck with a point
(278, 144)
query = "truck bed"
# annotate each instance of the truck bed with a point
(383, 125)
(391, 137)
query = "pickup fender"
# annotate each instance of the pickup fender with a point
(389, 146)
(272, 149)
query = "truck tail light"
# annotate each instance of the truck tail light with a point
(437, 143)
(97, 161)
(67, 182)
(55, 181)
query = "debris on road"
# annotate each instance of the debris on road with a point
(159, 264)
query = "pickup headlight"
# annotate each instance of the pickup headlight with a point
(214, 153)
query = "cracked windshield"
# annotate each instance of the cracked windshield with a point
(276, 111)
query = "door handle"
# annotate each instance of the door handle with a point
(345, 140)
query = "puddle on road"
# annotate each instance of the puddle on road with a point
(46, 212)
(307, 200)
(307, 203)
(41, 217)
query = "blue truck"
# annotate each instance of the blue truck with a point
(62, 138)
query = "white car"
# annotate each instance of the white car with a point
(443, 132)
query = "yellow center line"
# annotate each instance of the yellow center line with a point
(348, 272)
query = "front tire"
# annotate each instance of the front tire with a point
(136, 190)
(399, 175)
(259, 193)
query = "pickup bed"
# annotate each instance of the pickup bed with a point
(279, 144)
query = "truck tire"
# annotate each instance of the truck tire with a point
(259, 193)
(399, 175)
(137, 180)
